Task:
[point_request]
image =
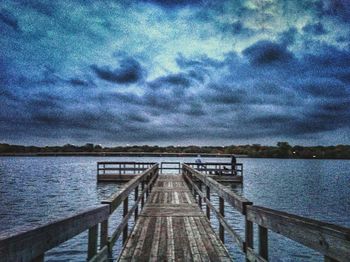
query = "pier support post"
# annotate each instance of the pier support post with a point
(125, 212)
(263, 242)
(104, 234)
(92, 241)
(199, 196)
(143, 194)
(222, 212)
(249, 235)
(136, 197)
(208, 197)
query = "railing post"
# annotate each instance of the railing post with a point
(92, 241)
(143, 194)
(263, 242)
(249, 235)
(222, 212)
(208, 198)
(39, 258)
(199, 196)
(104, 233)
(329, 259)
(125, 212)
(136, 197)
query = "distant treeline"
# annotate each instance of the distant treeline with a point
(281, 150)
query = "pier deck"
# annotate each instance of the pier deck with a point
(172, 227)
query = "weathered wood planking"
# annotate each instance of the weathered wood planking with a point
(330, 240)
(115, 200)
(233, 199)
(171, 227)
(26, 244)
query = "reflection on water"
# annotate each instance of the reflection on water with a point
(35, 190)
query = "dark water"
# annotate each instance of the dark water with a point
(36, 190)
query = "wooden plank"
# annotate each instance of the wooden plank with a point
(328, 239)
(170, 211)
(170, 234)
(26, 243)
(130, 246)
(199, 241)
(193, 245)
(217, 244)
(156, 239)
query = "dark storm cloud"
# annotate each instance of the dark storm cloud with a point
(315, 29)
(266, 52)
(129, 71)
(9, 19)
(194, 71)
(173, 3)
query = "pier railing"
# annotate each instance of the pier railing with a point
(30, 244)
(332, 241)
(120, 171)
(141, 186)
(217, 168)
(117, 168)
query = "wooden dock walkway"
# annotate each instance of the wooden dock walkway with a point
(169, 222)
(172, 227)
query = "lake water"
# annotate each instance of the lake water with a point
(35, 190)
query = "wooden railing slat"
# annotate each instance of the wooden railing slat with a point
(330, 240)
(25, 244)
(115, 200)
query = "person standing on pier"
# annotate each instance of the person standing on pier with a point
(233, 165)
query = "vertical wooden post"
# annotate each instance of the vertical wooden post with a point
(125, 212)
(222, 212)
(92, 241)
(329, 259)
(199, 196)
(143, 194)
(104, 233)
(249, 235)
(263, 242)
(208, 198)
(147, 184)
(136, 197)
(39, 258)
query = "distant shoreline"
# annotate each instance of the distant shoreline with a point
(122, 154)
(282, 150)
(146, 154)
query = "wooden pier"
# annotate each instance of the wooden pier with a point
(172, 215)
(125, 171)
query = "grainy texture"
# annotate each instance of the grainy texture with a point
(171, 227)
(330, 240)
(25, 244)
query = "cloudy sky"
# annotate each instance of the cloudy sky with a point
(206, 72)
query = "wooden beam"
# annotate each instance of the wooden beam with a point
(27, 243)
(328, 239)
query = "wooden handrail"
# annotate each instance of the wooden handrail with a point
(233, 199)
(126, 163)
(27, 244)
(116, 199)
(146, 181)
(330, 240)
